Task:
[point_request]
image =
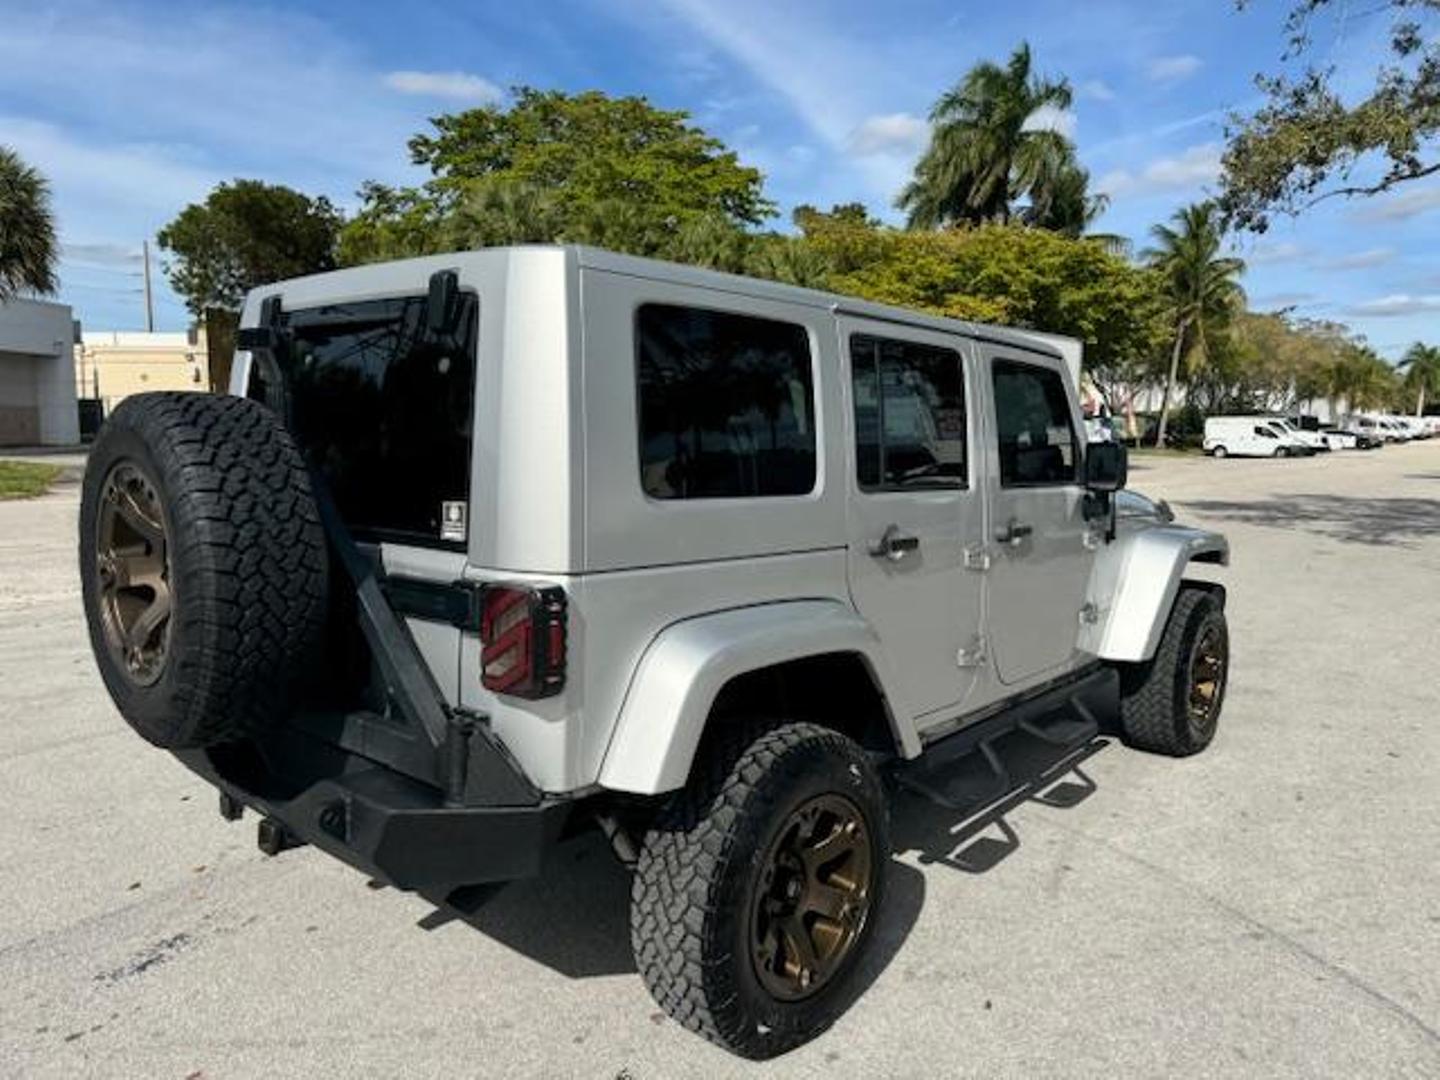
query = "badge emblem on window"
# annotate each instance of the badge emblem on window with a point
(453, 517)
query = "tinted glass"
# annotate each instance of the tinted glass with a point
(385, 409)
(1032, 420)
(909, 414)
(726, 403)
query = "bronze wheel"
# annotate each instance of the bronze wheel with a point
(1208, 661)
(132, 569)
(813, 897)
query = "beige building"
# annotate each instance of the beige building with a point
(37, 385)
(113, 364)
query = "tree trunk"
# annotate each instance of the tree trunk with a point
(1420, 401)
(1170, 377)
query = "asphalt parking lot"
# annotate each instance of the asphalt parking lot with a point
(1270, 908)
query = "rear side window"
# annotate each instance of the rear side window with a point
(384, 409)
(909, 414)
(1032, 420)
(726, 405)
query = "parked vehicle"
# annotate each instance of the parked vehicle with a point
(1414, 426)
(1340, 439)
(1311, 441)
(1248, 436)
(493, 546)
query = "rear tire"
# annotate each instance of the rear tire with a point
(1219, 452)
(1171, 704)
(202, 566)
(723, 921)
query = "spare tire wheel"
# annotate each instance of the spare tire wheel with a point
(202, 566)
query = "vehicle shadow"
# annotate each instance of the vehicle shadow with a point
(575, 918)
(1389, 522)
(978, 838)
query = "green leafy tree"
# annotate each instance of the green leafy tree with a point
(1362, 379)
(28, 249)
(247, 233)
(983, 157)
(1200, 289)
(1421, 364)
(557, 167)
(1307, 142)
(1001, 274)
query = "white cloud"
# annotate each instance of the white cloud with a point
(1049, 118)
(1274, 301)
(1172, 68)
(1095, 90)
(894, 133)
(1359, 260)
(1265, 254)
(1192, 168)
(1395, 305)
(455, 85)
(1402, 205)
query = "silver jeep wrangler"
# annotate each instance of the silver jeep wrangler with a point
(489, 547)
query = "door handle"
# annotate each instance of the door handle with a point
(1014, 532)
(894, 545)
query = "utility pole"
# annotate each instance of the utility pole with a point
(149, 297)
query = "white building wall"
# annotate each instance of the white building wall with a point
(41, 335)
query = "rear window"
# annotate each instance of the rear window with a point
(726, 405)
(384, 409)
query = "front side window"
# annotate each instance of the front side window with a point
(383, 408)
(1266, 433)
(726, 405)
(909, 414)
(1032, 420)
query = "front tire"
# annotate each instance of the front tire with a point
(1171, 704)
(1219, 452)
(757, 888)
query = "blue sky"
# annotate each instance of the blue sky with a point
(135, 109)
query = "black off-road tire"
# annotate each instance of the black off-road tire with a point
(245, 560)
(1155, 712)
(701, 862)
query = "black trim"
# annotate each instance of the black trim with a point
(456, 603)
(472, 765)
(382, 823)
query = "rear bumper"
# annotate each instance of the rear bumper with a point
(379, 821)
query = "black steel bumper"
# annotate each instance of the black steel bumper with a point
(383, 823)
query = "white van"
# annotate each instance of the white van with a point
(1313, 441)
(1245, 436)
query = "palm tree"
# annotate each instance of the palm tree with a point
(1423, 374)
(1199, 284)
(28, 249)
(1061, 201)
(982, 157)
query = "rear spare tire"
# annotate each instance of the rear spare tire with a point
(202, 566)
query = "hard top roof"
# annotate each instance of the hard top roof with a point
(369, 280)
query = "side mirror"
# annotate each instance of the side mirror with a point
(442, 304)
(1106, 466)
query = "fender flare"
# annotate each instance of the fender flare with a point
(1140, 575)
(677, 679)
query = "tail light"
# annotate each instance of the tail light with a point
(522, 640)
